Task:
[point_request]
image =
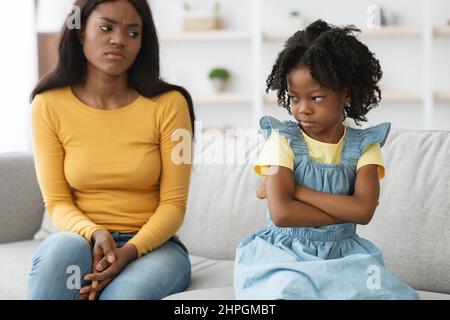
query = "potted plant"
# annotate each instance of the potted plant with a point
(195, 19)
(219, 78)
(296, 20)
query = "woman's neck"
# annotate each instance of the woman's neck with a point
(104, 91)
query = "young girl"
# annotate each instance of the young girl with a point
(322, 177)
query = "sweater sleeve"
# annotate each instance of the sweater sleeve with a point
(48, 153)
(174, 179)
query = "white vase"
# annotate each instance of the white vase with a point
(218, 85)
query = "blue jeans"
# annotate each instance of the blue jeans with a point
(63, 258)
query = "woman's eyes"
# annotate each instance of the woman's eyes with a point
(108, 28)
(104, 28)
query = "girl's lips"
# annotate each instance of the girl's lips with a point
(114, 56)
(306, 124)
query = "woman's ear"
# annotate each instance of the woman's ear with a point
(80, 35)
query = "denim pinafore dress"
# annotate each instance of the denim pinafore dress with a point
(329, 262)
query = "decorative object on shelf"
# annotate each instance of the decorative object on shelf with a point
(379, 17)
(201, 19)
(219, 78)
(296, 20)
(374, 20)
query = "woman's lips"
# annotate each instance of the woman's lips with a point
(114, 56)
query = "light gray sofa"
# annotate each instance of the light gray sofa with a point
(411, 224)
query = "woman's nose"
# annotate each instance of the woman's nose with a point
(118, 39)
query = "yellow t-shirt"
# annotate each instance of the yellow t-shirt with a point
(111, 169)
(278, 152)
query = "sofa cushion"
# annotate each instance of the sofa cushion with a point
(16, 257)
(15, 265)
(209, 273)
(21, 203)
(227, 293)
(222, 207)
(412, 222)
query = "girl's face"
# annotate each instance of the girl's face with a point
(111, 38)
(316, 108)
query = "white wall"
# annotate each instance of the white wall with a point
(18, 65)
(188, 63)
(401, 58)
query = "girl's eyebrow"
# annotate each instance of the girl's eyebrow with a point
(309, 92)
(134, 24)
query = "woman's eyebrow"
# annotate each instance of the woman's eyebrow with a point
(134, 24)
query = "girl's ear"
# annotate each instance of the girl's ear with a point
(347, 95)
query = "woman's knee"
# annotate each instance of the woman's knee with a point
(59, 265)
(63, 248)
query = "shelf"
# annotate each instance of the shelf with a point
(401, 96)
(387, 96)
(224, 98)
(441, 31)
(219, 35)
(391, 31)
(442, 96)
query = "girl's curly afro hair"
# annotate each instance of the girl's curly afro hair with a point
(336, 59)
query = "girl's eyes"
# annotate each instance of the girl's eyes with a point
(107, 28)
(319, 98)
(295, 99)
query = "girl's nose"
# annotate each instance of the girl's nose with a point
(304, 108)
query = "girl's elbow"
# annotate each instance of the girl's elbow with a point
(365, 218)
(278, 215)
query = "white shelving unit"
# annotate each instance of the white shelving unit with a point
(224, 98)
(390, 31)
(426, 32)
(219, 35)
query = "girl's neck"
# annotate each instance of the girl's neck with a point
(330, 135)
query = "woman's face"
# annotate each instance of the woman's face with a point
(112, 36)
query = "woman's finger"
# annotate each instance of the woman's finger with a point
(83, 297)
(85, 289)
(102, 264)
(98, 288)
(99, 276)
(108, 251)
(92, 295)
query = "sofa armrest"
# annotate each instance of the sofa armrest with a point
(21, 202)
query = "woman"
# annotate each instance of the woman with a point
(102, 125)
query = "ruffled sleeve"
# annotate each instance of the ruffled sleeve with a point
(268, 124)
(375, 134)
(276, 151)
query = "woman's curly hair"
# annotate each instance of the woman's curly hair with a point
(336, 59)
